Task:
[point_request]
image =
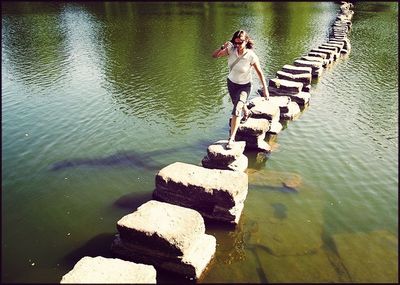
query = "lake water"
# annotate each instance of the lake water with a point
(98, 97)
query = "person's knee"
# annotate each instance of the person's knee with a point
(238, 109)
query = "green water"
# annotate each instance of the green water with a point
(120, 90)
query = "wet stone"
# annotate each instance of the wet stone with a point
(282, 86)
(304, 78)
(275, 128)
(109, 270)
(219, 153)
(202, 189)
(316, 66)
(296, 69)
(148, 235)
(239, 164)
(280, 101)
(302, 98)
(264, 109)
(255, 142)
(253, 127)
(293, 111)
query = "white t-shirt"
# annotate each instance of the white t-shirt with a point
(241, 72)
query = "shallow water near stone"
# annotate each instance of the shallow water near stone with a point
(97, 97)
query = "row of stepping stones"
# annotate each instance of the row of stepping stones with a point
(168, 232)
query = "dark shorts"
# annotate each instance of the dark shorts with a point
(234, 91)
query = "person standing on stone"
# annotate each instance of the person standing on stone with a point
(241, 59)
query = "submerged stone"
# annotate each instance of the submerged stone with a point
(369, 257)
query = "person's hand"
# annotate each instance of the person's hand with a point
(227, 44)
(265, 95)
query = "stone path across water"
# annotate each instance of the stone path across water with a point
(169, 233)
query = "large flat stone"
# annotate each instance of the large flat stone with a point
(280, 101)
(275, 128)
(253, 127)
(284, 86)
(201, 188)
(265, 109)
(330, 53)
(109, 270)
(191, 264)
(369, 257)
(255, 142)
(218, 151)
(302, 98)
(304, 78)
(239, 164)
(293, 111)
(316, 66)
(296, 69)
(161, 225)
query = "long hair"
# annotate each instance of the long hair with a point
(238, 34)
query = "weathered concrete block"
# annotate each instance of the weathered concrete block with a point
(282, 86)
(296, 69)
(219, 153)
(316, 66)
(239, 164)
(264, 109)
(345, 41)
(275, 128)
(318, 54)
(329, 53)
(315, 58)
(280, 101)
(163, 226)
(190, 265)
(304, 78)
(302, 98)
(255, 142)
(109, 270)
(253, 127)
(333, 48)
(201, 188)
(293, 111)
(306, 88)
(338, 44)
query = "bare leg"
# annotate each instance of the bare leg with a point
(235, 120)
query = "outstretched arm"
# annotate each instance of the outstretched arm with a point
(262, 79)
(222, 51)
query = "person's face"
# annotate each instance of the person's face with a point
(240, 42)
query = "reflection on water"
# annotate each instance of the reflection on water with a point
(97, 97)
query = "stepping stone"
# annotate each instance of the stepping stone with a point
(219, 157)
(280, 101)
(167, 236)
(304, 78)
(302, 98)
(296, 69)
(329, 53)
(275, 128)
(253, 127)
(239, 164)
(219, 153)
(217, 195)
(278, 87)
(315, 58)
(256, 143)
(264, 109)
(109, 270)
(316, 66)
(293, 111)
